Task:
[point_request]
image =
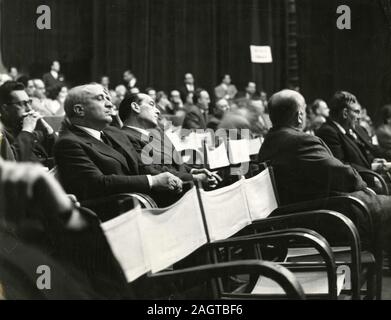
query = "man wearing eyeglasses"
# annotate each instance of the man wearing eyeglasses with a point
(342, 135)
(31, 138)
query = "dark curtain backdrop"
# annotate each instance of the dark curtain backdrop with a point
(159, 40)
(357, 60)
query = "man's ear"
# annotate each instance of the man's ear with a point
(78, 110)
(300, 117)
(345, 113)
(135, 107)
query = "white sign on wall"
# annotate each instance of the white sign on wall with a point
(261, 54)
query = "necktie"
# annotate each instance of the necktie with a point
(105, 139)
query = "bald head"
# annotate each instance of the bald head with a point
(287, 108)
(89, 105)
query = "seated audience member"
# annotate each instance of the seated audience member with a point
(305, 168)
(30, 88)
(342, 135)
(383, 132)
(151, 92)
(4, 78)
(188, 100)
(57, 104)
(176, 101)
(220, 108)
(134, 90)
(53, 79)
(162, 103)
(31, 138)
(365, 122)
(321, 112)
(140, 117)
(226, 90)
(120, 92)
(97, 160)
(35, 211)
(14, 74)
(40, 102)
(130, 80)
(197, 114)
(250, 92)
(5, 148)
(105, 82)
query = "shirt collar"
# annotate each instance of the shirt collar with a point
(92, 132)
(54, 74)
(340, 128)
(142, 131)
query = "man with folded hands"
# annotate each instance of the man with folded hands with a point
(96, 160)
(306, 169)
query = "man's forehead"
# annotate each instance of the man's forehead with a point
(93, 90)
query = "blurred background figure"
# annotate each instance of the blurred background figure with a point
(221, 107)
(129, 79)
(4, 78)
(105, 82)
(53, 79)
(13, 73)
(30, 88)
(226, 90)
(57, 104)
(151, 92)
(383, 132)
(176, 101)
(188, 86)
(320, 112)
(40, 102)
(120, 92)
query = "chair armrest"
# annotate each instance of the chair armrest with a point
(277, 273)
(304, 219)
(369, 173)
(332, 203)
(310, 237)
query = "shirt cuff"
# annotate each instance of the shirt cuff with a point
(149, 177)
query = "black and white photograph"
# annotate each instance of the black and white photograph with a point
(193, 155)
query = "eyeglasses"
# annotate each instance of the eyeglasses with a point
(22, 104)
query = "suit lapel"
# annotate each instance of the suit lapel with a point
(101, 147)
(353, 145)
(125, 145)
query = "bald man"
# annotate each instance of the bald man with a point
(96, 160)
(305, 168)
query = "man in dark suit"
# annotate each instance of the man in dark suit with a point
(197, 114)
(53, 80)
(306, 169)
(188, 86)
(344, 137)
(140, 116)
(31, 138)
(97, 160)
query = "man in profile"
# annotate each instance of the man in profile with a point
(29, 135)
(306, 169)
(197, 115)
(97, 160)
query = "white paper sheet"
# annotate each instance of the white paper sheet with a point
(171, 234)
(217, 158)
(239, 151)
(261, 199)
(314, 282)
(255, 146)
(124, 238)
(225, 210)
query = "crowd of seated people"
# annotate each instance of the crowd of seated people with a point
(115, 141)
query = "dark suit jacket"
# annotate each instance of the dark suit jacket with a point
(5, 149)
(195, 119)
(305, 167)
(52, 84)
(343, 146)
(89, 168)
(157, 150)
(32, 147)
